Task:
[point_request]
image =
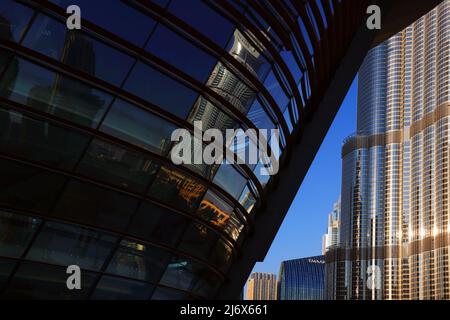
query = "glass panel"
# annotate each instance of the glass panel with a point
(139, 261)
(241, 49)
(16, 231)
(259, 116)
(64, 97)
(167, 45)
(70, 245)
(176, 189)
(230, 180)
(203, 243)
(216, 211)
(27, 187)
(168, 294)
(155, 223)
(40, 140)
(111, 163)
(116, 17)
(138, 127)
(153, 86)
(93, 205)
(198, 240)
(77, 50)
(36, 281)
(13, 20)
(184, 274)
(247, 200)
(111, 288)
(274, 88)
(6, 267)
(203, 18)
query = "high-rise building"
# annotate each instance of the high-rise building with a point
(86, 118)
(394, 241)
(262, 286)
(302, 279)
(331, 237)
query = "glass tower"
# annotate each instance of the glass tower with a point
(395, 232)
(302, 279)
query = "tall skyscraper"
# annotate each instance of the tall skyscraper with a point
(331, 238)
(302, 279)
(395, 211)
(262, 286)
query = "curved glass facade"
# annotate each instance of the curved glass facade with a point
(302, 279)
(395, 171)
(86, 118)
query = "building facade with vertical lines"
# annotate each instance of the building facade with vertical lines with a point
(262, 286)
(302, 279)
(395, 232)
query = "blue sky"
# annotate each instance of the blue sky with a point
(301, 232)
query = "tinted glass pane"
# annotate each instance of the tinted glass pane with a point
(184, 274)
(259, 117)
(274, 88)
(96, 206)
(220, 214)
(49, 37)
(126, 168)
(204, 243)
(36, 281)
(6, 267)
(27, 187)
(110, 288)
(199, 15)
(247, 200)
(176, 189)
(70, 245)
(230, 180)
(67, 98)
(153, 86)
(40, 140)
(116, 17)
(167, 45)
(139, 261)
(241, 49)
(153, 222)
(14, 17)
(139, 127)
(16, 231)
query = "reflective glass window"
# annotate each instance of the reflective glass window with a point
(274, 88)
(40, 140)
(27, 187)
(117, 165)
(154, 86)
(247, 200)
(64, 97)
(111, 288)
(71, 245)
(16, 231)
(206, 244)
(6, 267)
(139, 261)
(230, 180)
(185, 274)
(96, 206)
(51, 37)
(14, 18)
(168, 45)
(156, 223)
(42, 282)
(216, 211)
(138, 127)
(116, 17)
(175, 188)
(203, 18)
